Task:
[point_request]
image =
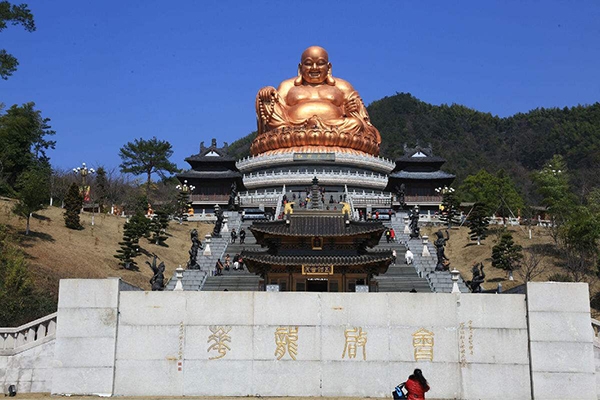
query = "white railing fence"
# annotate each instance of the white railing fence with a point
(13, 340)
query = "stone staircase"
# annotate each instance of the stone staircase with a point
(235, 280)
(399, 277)
(194, 279)
(439, 282)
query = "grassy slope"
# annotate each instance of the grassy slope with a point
(56, 252)
(462, 253)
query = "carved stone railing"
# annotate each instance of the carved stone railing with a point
(217, 198)
(373, 199)
(15, 340)
(364, 179)
(420, 200)
(360, 160)
(269, 199)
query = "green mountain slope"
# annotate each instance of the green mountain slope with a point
(471, 140)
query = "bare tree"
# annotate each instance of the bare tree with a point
(532, 265)
(60, 180)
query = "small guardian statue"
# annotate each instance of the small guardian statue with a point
(157, 282)
(443, 262)
(415, 231)
(196, 245)
(478, 278)
(401, 195)
(232, 196)
(218, 222)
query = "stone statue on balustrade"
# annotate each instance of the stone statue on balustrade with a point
(478, 278)
(313, 111)
(231, 205)
(196, 245)
(157, 282)
(401, 195)
(443, 262)
(218, 222)
(415, 231)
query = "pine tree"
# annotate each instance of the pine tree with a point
(101, 188)
(478, 222)
(73, 204)
(158, 227)
(450, 211)
(507, 255)
(182, 206)
(129, 246)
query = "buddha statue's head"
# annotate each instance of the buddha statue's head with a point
(314, 67)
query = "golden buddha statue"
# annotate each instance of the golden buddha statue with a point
(313, 112)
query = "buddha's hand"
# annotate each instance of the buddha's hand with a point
(351, 106)
(267, 95)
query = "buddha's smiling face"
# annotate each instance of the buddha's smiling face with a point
(314, 65)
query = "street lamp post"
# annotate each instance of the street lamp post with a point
(184, 192)
(84, 171)
(447, 206)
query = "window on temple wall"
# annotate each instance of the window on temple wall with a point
(333, 286)
(282, 282)
(301, 286)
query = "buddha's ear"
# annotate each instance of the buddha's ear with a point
(298, 80)
(329, 80)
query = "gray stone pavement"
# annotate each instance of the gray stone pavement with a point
(38, 396)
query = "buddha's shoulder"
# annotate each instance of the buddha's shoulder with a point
(286, 85)
(343, 84)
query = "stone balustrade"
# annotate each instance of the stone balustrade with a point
(269, 199)
(363, 160)
(13, 340)
(214, 198)
(341, 178)
(370, 199)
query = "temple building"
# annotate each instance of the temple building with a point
(314, 125)
(317, 251)
(419, 173)
(213, 172)
(312, 195)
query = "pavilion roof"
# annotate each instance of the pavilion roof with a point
(317, 224)
(209, 174)
(439, 174)
(317, 260)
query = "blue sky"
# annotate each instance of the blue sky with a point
(107, 72)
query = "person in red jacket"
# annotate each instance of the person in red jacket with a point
(416, 385)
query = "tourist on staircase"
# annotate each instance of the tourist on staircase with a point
(233, 236)
(409, 256)
(242, 236)
(219, 267)
(227, 262)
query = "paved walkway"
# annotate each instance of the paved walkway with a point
(33, 396)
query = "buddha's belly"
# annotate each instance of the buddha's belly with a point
(323, 109)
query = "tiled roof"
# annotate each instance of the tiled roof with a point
(211, 159)
(351, 260)
(317, 225)
(209, 174)
(427, 159)
(422, 175)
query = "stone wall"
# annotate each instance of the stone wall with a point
(29, 370)
(469, 346)
(86, 336)
(561, 341)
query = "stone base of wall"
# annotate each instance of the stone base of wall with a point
(30, 370)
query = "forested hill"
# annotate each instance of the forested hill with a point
(471, 140)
